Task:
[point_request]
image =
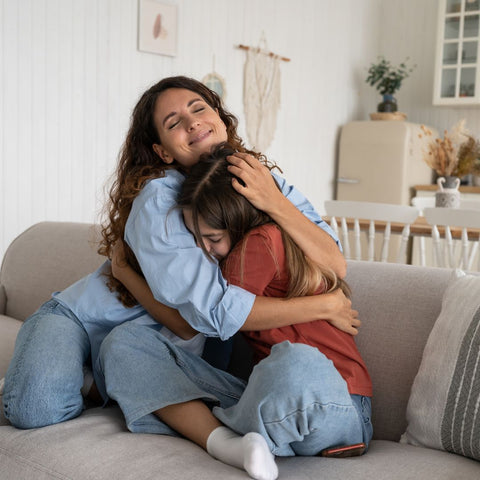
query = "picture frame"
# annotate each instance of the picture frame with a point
(157, 27)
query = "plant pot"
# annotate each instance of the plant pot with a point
(389, 104)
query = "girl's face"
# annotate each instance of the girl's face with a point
(187, 126)
(217, 242)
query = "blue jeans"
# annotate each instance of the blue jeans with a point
(43, 381)
(295, 397)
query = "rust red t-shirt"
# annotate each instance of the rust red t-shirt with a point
(261, 269)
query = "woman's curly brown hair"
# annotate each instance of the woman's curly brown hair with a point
(138, 163)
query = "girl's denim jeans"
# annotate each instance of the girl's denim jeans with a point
(295, 397)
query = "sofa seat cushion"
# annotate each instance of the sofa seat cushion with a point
(385, 460)
(97, 446)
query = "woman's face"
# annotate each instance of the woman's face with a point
(217, 242)
(187, 126)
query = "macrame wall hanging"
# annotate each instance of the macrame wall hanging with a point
(261, 94)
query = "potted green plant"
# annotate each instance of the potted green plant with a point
(387, 79)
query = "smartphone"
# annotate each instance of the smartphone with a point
(345, 451)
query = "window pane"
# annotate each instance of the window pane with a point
(470, 28)
(448, 82)
(467, 82)
(452, 27)
(450, 53)
(453, 6)
(472, 5)
(469, 52)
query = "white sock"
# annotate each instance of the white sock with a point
(250, 452)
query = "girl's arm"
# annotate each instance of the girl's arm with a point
(138, 287)
(260, 190)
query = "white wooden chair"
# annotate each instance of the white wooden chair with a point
(370, 211)
(445, 250)
(423, 202)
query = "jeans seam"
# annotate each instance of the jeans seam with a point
(295, 412)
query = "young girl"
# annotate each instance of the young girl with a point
(256, 254)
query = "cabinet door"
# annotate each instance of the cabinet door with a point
(457, 69)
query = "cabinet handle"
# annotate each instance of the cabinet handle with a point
(347, 180)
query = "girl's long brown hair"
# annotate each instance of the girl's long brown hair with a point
(138, 163)
(208, 193)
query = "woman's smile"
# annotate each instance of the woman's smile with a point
(200, 137)
(187, 126)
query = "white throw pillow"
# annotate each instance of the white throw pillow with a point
(444, 407)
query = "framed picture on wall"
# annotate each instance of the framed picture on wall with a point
(157, 27)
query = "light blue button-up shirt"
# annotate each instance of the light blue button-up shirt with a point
(177, 271)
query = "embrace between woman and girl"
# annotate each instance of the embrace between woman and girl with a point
(214, 244)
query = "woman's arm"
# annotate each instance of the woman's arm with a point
(138, 287)
(268, 312)
(260, 189)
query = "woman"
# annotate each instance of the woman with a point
(174, 122)
(257, 254)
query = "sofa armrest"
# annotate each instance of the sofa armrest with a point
(3, 300)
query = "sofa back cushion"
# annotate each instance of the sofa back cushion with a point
(398, 306)
(47, 257)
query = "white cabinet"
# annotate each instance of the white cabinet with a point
(457, 68)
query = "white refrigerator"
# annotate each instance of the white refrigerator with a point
(379, 161)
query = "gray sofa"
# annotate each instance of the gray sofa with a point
(398, 305)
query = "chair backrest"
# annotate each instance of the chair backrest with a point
(400, 215)
(423, 202)
(429, 202)
(444, 250)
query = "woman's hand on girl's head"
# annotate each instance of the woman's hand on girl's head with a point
(342, 315)
(259, 186)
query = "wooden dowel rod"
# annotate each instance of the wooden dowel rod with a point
(270, 54)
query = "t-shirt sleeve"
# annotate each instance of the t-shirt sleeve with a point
(254, 263)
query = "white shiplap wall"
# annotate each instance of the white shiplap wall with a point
(70, 74)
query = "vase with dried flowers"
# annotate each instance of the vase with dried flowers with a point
(453, 156)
